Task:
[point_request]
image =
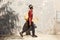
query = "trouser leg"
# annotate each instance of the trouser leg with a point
(28, 33)
(33, 29)
(25, 27)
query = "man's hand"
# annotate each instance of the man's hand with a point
(30, 23)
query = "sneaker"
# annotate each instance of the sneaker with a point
(34, 36)
(21, 34)
(28, 33)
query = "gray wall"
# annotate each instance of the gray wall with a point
(44, 10)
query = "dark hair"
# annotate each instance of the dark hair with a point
(30, 6)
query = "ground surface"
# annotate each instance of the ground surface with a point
(40, 37)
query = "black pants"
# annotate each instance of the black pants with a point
(27, 28)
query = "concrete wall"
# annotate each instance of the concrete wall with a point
(44, 10)
(57, 25)
(57, 4)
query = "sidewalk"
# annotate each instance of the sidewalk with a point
(40, 37)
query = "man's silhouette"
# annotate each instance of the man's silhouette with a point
(29, 23)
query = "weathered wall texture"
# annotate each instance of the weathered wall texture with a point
(44, 10)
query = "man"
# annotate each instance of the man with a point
(30, 23)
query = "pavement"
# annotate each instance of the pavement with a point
(29, 37)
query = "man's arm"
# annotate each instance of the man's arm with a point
(29, 16)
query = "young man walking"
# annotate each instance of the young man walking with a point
(30, 23)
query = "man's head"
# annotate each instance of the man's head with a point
(30, 6)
